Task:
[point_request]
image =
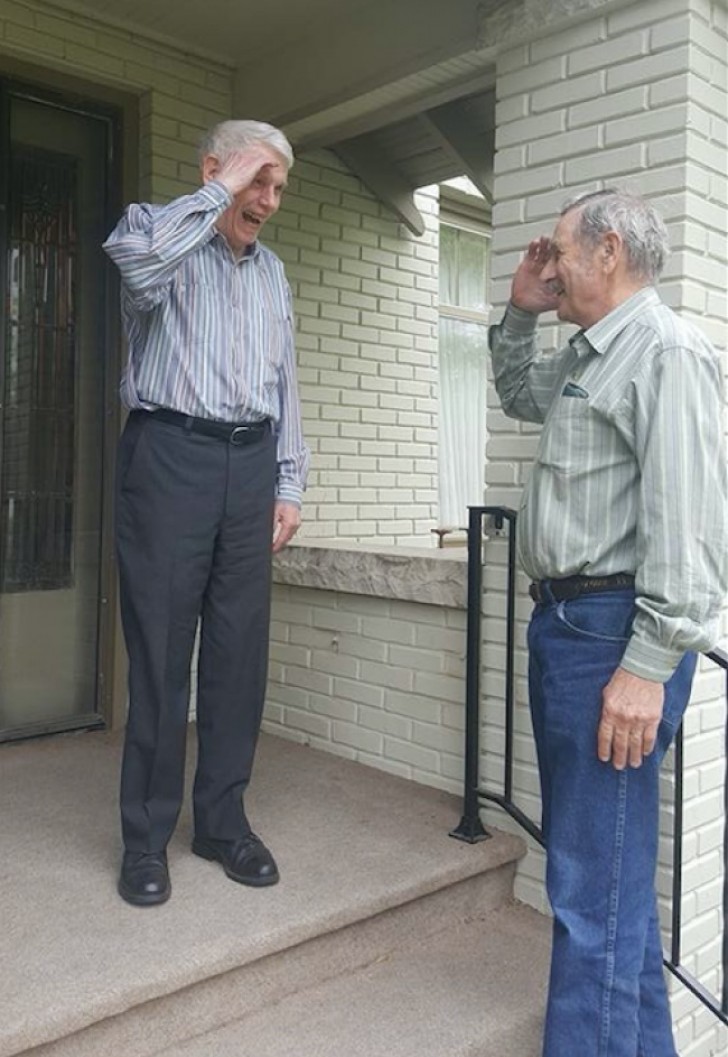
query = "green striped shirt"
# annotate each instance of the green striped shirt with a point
(630, 473)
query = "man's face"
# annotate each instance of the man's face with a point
(242, 221)
(575, 274)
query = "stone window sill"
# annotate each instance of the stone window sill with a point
(409, 574)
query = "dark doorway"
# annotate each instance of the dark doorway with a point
(53, 421)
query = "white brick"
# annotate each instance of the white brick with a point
(649, 68)
(406, 752)
(533, 76)
(528, 130)
(583, 141)
(659, 122)
(357, 737)
(608, 164)
(609, 53)
(614, 105)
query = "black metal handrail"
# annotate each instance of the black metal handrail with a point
(470, 827)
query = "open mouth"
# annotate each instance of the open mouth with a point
(251, 218)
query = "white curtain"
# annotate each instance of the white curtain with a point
(462, 353)
(462, 373)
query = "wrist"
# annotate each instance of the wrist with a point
(520, 320)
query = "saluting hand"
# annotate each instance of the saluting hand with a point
(239, 170)
(528, 289)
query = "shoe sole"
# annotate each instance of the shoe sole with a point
(143, 900)
(206, 852)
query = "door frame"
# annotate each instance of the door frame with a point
(107, 645)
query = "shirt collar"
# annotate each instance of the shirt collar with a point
(601, 335)
(251, 253)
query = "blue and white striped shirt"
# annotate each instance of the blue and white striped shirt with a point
(630, 474)
(208, 334)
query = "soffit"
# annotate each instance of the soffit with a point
(431, 146)
(430, 121)
(230, 31)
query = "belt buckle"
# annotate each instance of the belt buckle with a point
(238, 435)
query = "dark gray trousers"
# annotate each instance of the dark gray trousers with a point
(194, 521)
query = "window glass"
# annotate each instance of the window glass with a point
(463, 337)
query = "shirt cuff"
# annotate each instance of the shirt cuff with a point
(519, 320)
(650, 661)
(289, 492)
(217, 193)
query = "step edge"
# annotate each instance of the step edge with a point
(509, 850)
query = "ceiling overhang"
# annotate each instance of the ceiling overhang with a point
(387, 85)
(431, 146)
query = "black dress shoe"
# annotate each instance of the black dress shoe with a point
(144, 878)
(246, 860)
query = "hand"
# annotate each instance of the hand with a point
(286, 522)
(528, 289)
(241, 168)
(631, 713)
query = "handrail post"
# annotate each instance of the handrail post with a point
(677, 851)
(510, 651)
(470, 828)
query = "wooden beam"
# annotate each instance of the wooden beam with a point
(329, 126)
(366, 161)
(472, 147)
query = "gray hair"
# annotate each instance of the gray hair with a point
(639, 225)
(229, 136)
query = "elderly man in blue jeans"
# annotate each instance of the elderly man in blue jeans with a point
(622, 530)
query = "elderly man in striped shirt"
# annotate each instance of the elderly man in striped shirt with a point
(211, 469)
(622, 530)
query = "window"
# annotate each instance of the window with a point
(462, 360)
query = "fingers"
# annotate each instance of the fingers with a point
(539, 251)
(623, 745)
(282, 535)
(240, 169)
(631, 714)
(286, 522)
(529, 290)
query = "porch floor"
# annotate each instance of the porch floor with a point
(351, 843)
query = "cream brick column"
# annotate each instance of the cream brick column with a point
(634, 95)
(365, 295)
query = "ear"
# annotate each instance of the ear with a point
(611, 251)
(210, 167)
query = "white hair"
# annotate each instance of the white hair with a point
(229, 136)
(639, 225)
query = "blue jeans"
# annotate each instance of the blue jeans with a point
(607, 994)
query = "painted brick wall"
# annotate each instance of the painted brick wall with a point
(365, 294)
(179, 95)
(373, 679)
(365, 289)
(635, 97)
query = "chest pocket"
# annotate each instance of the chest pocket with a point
(274, 315)
(567, 435)
(198, 308)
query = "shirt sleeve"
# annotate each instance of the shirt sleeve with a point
(682, 538)
(293, 454)
(150, 242)
(525, 378)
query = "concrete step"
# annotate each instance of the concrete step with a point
(366, 864)
(475, 990)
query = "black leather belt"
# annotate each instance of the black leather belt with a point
(572, 586)
(236, 433)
